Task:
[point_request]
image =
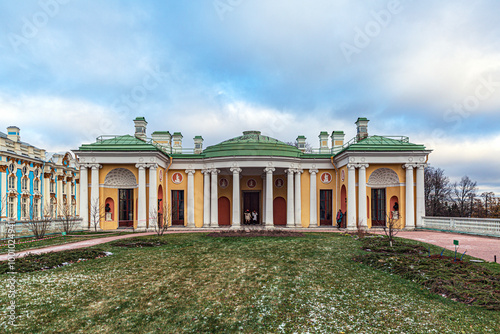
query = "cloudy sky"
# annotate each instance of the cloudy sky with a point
(71, 70)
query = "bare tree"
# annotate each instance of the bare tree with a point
(392, 228)
(39, 226)
(69, 221)
(437, 191)
(488, 198)
(97, 212)
(160, 219)
(463, 193)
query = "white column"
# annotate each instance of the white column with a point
(59, 194)
(46, 193)
(214, 214)
(264, 199)
(298, 203)
(351, 197)
(410, 207)
(153, 196)
(269, 197)
(206, 198)
(313, 207)
(141, 210)
(190, 197)
(420, 194)
(363, 220)
(236, 197)
(94, 192)
(289, 198)
(84, 197)
(77, 195)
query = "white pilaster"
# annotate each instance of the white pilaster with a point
(153, 196)
(84, 197)
(141, 210)
(362, 215)
(289, 198)
(410, 207)
(298, 203)
(269, 197)
(420, 194)
(190, 197)
(236, 197)
(206, 197)
(94, 190)
(263, 199)
(59, 195)
(313, 199)
(351, 197)
(214, 213)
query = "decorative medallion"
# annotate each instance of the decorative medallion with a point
(326, 178)
(177, 178)
(342, 175)
(251, 183)
(279, 182)
(223, 183)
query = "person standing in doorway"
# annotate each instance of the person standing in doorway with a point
(254, 217)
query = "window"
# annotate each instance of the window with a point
(12, 202)
(36, 203)
(36, 185)
(24, 184)
(25, 170)
(24, 208)
(12, 182)
(52, 187)
(11, 168)
(53, 209)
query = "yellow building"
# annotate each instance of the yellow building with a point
(132, 180)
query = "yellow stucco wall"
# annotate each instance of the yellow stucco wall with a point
(304, 197)
(198, 199)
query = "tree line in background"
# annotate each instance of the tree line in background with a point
(457, 199)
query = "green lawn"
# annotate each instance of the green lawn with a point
(199, 284)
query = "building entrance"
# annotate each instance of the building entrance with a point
(251, 202)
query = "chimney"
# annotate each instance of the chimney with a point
(323, 142)
(140, 127)
(301, 143)
(177, 142)
(163, 138)
(362, 128)
(337, 141)
(13, 133)
(198, 144)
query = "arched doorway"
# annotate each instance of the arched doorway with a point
(279, 211)
(343, 204)
(379, 180)
(224, 209)
(125, 182)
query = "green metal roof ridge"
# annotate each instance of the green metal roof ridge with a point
(251, 143)
(121, 143)
(382, 143)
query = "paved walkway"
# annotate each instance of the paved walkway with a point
(484, 248)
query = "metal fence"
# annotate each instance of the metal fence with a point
(22, 227)
(482, 226)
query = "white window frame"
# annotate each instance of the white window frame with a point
(36, 185)
(36, 211)
(12, 182)
(24, 184)
(11, 205)
(24, 207)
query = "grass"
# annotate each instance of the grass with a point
(199, 284)
(59, 240)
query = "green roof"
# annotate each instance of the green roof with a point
(252, 143)
(161, 133)
(120, 143)
(381, 143)
(139, 119)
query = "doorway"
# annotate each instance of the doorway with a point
(178, 207)
(279, 211)
(126, 214)
(378, 208)
(325, 207)
(251, 202)
(224, 211)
